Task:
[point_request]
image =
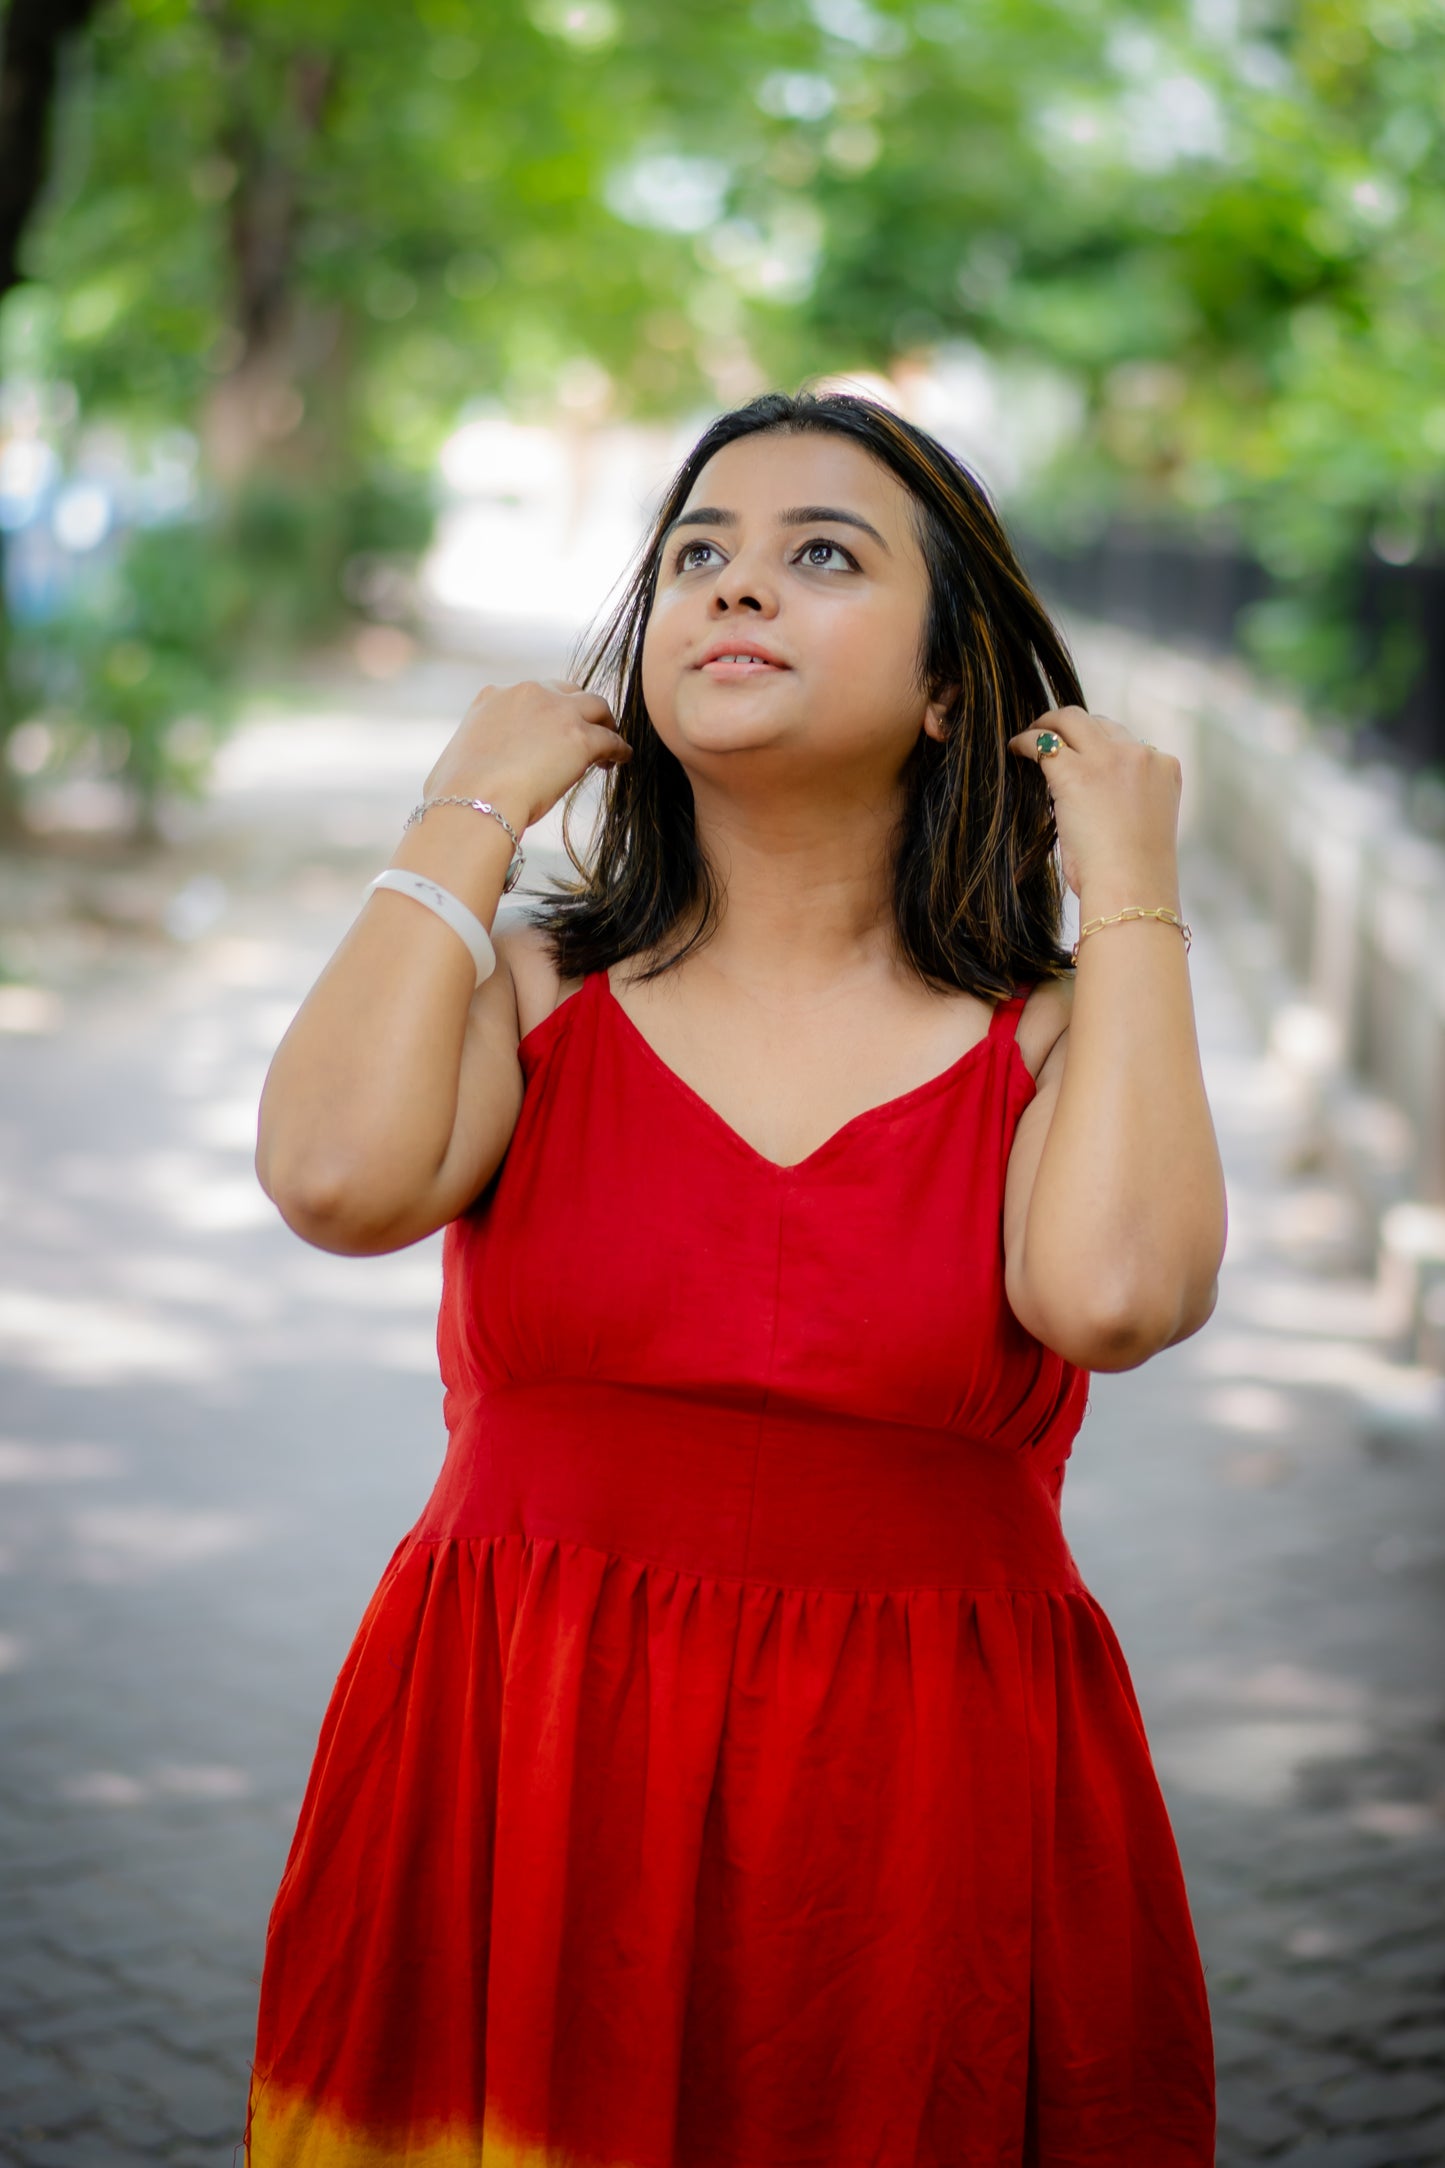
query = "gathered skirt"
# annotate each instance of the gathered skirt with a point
(616, 1856)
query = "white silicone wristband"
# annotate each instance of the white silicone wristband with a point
(448, 907)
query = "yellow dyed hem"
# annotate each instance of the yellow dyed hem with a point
(287, 2129)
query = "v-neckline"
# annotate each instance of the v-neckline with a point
(900, 1100)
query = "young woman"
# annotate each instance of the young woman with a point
(732, 1768)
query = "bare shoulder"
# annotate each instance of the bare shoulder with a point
(524, 952)
(1043, 1021)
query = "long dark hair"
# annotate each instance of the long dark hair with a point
(977, 894)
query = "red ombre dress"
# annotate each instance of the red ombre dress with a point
(731, 1769)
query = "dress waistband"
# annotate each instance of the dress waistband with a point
(793, 1498)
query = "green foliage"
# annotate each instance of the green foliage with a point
(147, 659)
(140, 664)
(1228, 226)
(294, 553)
(1223, 225)
(1314, 638)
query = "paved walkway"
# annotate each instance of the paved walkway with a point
(213, 1436)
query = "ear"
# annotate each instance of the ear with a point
(935, 715)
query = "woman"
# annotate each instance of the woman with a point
(732, 1769)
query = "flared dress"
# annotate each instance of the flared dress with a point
(731, 1769)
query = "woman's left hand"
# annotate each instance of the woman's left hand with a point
(1116, 806)
(1115, 1211)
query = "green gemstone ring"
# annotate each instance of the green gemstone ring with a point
(1047, 741)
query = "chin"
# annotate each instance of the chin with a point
(718, 727)
(724, 737)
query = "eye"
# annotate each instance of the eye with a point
(687, 557)
(816, 554)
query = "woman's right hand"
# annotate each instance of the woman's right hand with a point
(522, 747)
(390, 1101)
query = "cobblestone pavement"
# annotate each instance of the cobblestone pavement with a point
(213, 1436)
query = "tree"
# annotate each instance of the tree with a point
(34, 36)
(1223, 222)
(310, 233)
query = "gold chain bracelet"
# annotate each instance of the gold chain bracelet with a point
(1133, 910)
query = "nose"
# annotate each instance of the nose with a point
(744, 584)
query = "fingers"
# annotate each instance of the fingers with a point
(1071, 730)
(589, 705)
(601, 726)
(1050, 738)
(595, 714)
(613, 750)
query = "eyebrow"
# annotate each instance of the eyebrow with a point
(801, 515)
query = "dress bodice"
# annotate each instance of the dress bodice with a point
(632, 1238)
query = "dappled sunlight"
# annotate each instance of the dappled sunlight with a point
(88, 1341)
(409, 1279)
(226, 1125)
(243, 960)
(103, 1788)
(30, 1009)
(179, 1186)
(1306, 1217)
(35, 1219)
(1295, 1229)
(190, 1058)
(311, 751)
(137, 1543)
(415, 1352)
(1279, 1687)
(541, 520)
(192, 1196)
(218, 1054)
(198, 1282)
(200, 1780)
(1249, 1094)
(1256, 1763)
(1279, 1302)
(1257, 1408)
(1272, 1721)
(1293, 1359)
(200, 1318)
(216, 1781)
(1257, 1468)
(24, 1461)
(1296, 1310)
(1400, 1818)
(1249, 1736)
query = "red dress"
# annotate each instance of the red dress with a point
(731, 1769)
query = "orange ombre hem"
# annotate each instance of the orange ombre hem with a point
(285, 2128)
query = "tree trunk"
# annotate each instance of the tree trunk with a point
(30, 46)
(34, 32)
(260, 405)
(12, 815)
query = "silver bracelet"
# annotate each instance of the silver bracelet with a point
(479, 805)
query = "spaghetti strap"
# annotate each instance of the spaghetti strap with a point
(1006, 1016)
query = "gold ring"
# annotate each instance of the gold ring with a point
(1047, 742)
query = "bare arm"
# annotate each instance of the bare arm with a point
(391, 1100)
(1115, 1211)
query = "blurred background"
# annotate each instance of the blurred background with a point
(343, 353)
(284, 284)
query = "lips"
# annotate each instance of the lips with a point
(738, 659)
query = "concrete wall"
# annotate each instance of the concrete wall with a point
(1335, 911)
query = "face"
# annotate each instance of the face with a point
(789, 617)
